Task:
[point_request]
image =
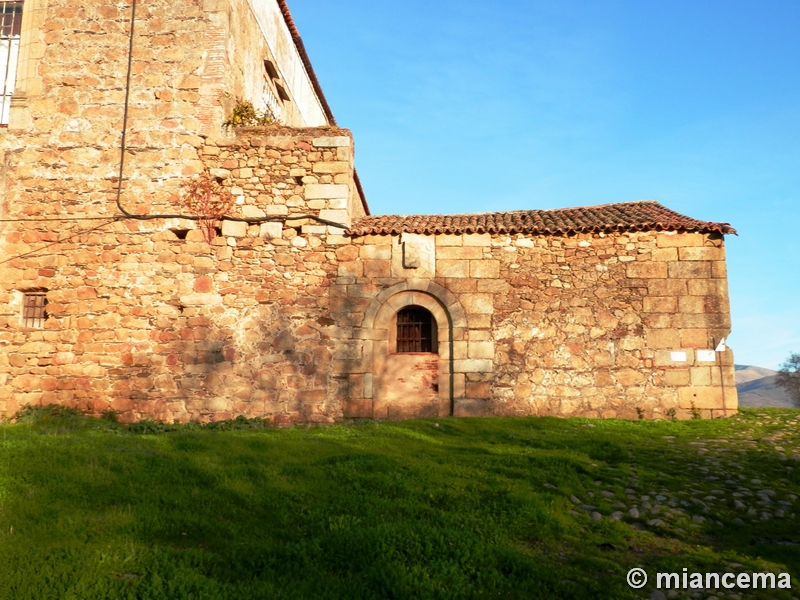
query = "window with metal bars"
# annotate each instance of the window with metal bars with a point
(34, 312)
(415, 330)
(10, 28)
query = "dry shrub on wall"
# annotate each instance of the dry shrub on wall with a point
(208, 201)
(246, 115)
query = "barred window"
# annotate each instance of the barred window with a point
(10, 28)
(34, 312)
(415, 330)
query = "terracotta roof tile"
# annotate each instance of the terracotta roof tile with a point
(645, 215)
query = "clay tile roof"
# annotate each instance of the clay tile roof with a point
(647, 215)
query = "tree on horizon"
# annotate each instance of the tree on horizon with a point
(788, 378)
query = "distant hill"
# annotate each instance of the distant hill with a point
(757, 389)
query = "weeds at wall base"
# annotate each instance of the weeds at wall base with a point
(56, 419)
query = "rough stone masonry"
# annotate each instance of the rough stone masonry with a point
(295, 310)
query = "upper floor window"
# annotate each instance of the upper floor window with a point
(10, 28)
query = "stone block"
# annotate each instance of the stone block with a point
(689, 270)
(700, 397)
(357, 409)
(677, 377)
(664, 254)
(493, 286)
(459, 252)
(341, 217)
(679, 240)
(331, 141)
(692, 304)
(663, 338)
(460, 350)
(701, 253)
(253, 212)
(271, 230)
(459, 385)
(481, 349)
(382, 252)
(694, 338)
(277, 210)
(348, 350)
(719, 270)
(326, 191)
(353, 268)
(332, 167)
(449, 240)
(708, 287)
(660, 304)
(479, 304)
(666, 287)
(700, 376)
(346, 253)
(377, 268)
(236, 229)
(452, 268)
(647, 270)
(629, 377)
(473, 365)
(478, 239)
(478, 389)
(478, 321)
(470, 407)
(488, 269)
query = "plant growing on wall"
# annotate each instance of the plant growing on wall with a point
(245, 115)
(208, 201)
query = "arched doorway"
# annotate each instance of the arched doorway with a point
(448, 325)
(410, 381)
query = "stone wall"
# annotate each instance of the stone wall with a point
(147, 319)
(594, 325)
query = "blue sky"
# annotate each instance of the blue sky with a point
(467, 106)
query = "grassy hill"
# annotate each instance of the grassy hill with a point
(451, 508)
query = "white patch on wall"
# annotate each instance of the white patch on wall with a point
(414, 256)
(706, 356)
(677, 356)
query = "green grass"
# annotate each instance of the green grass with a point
(454, 508)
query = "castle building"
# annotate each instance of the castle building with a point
(117, 293)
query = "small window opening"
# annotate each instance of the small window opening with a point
(34, 312)
(281, 92)
(180, 233)
(415, 330)
(269, 66)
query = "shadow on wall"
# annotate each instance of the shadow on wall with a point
(262, 364)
